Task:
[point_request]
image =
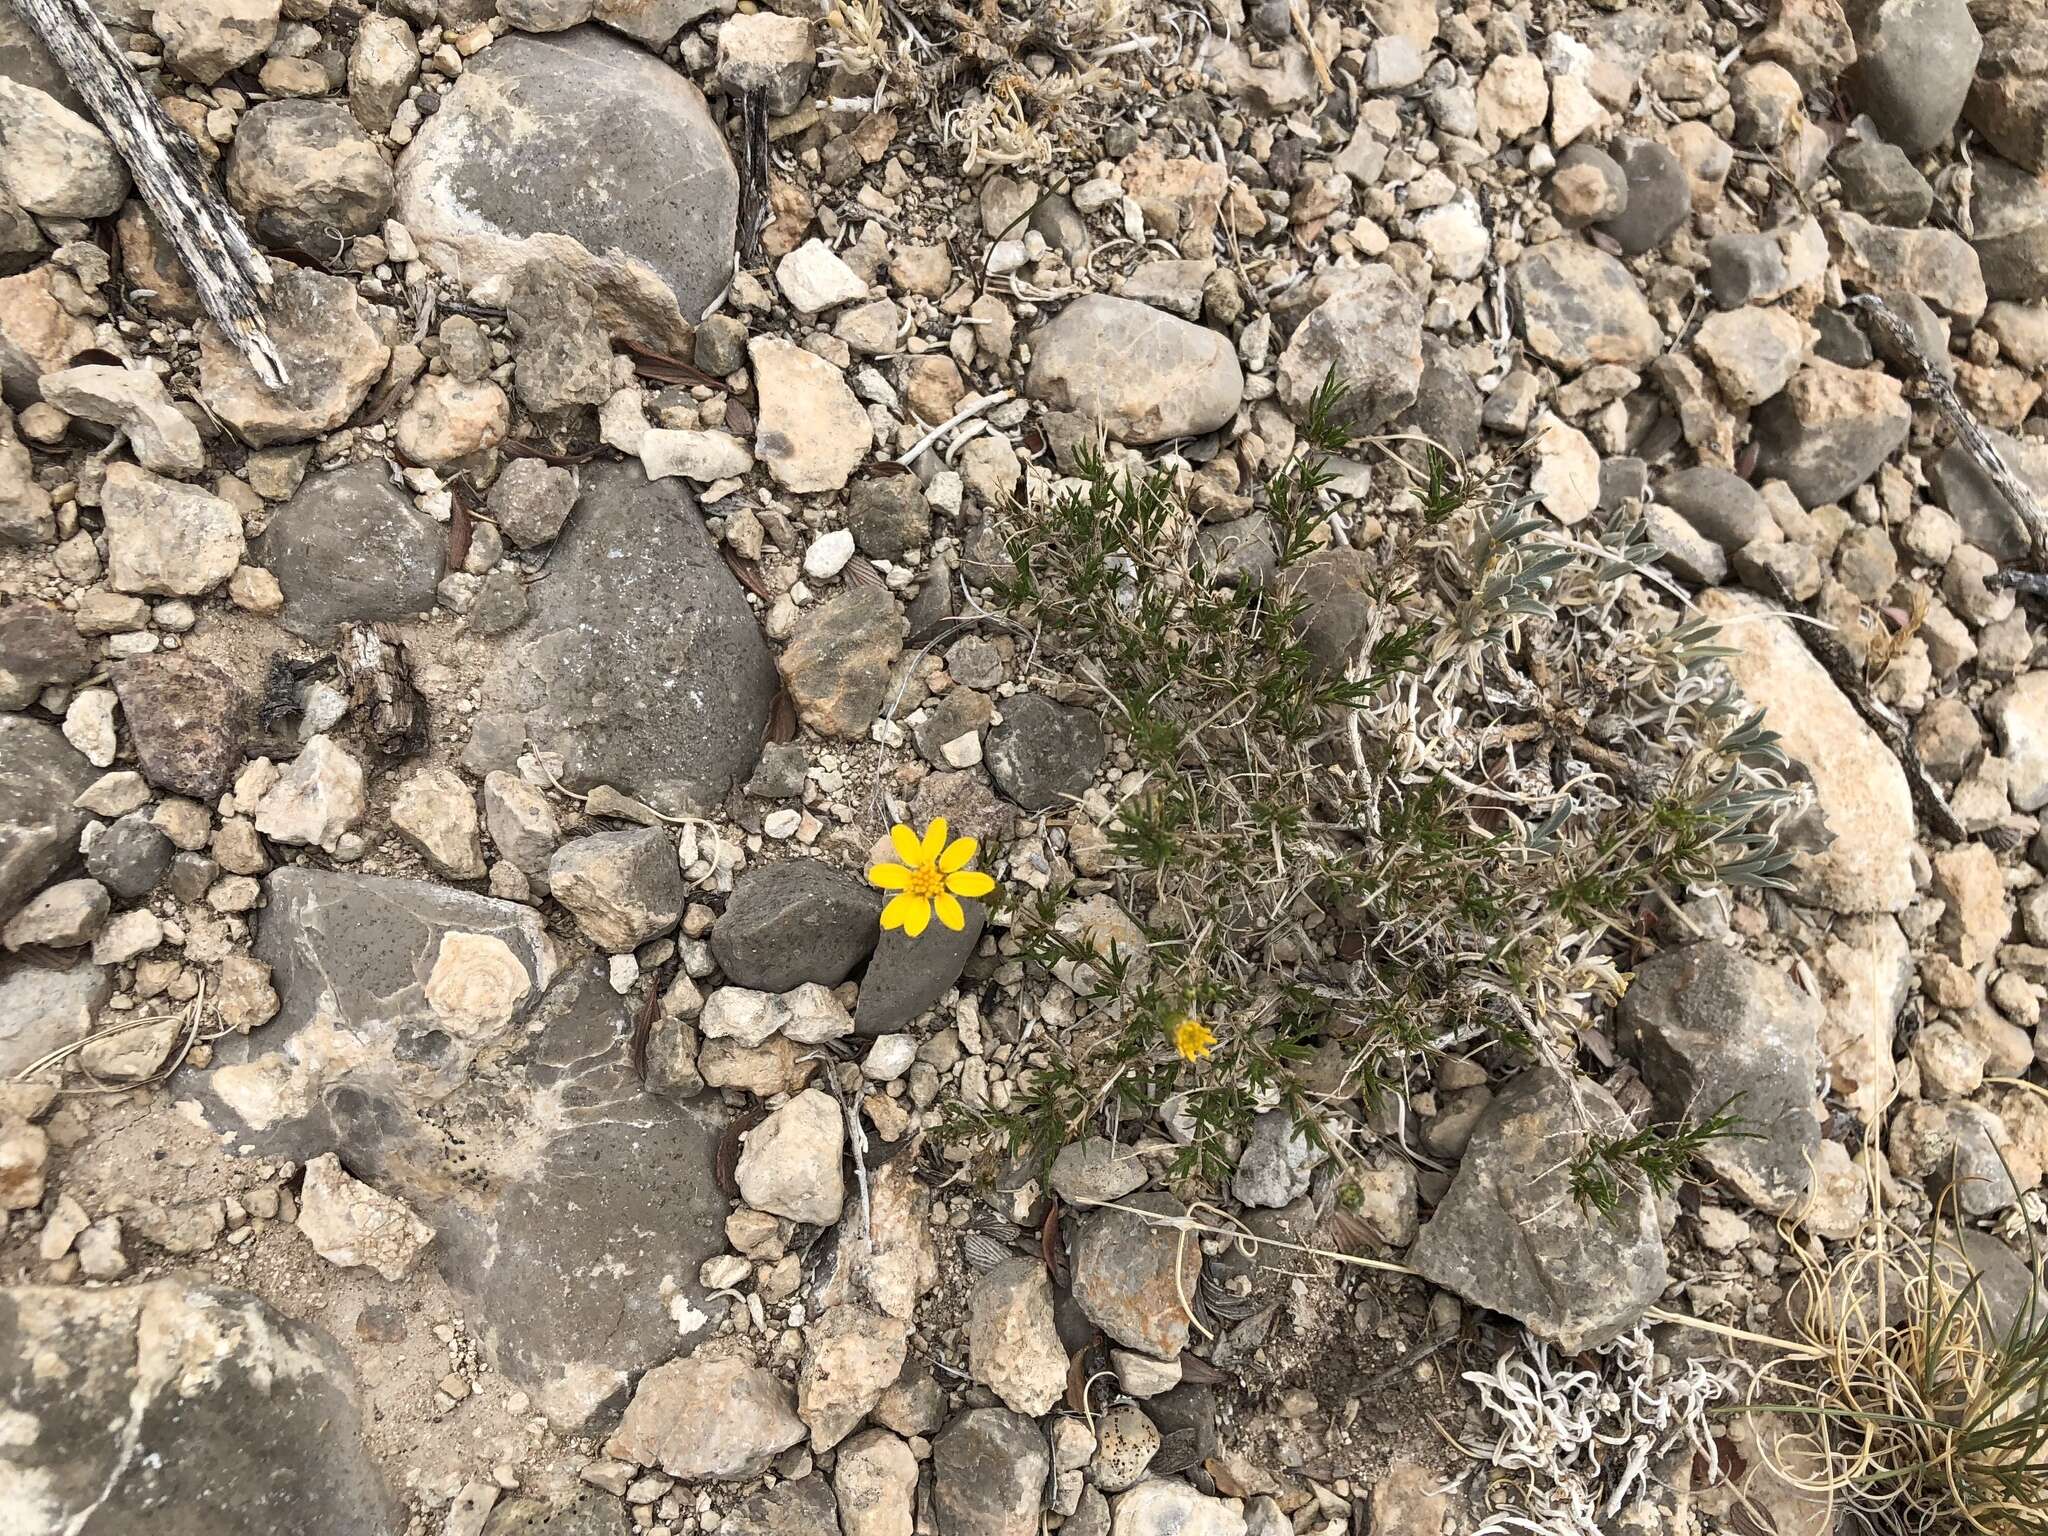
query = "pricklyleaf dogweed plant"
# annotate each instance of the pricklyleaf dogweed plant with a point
(1403, 773)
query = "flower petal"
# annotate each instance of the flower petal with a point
(949, 912)
(934, 840)
(970, 882)
(919, 917)
(889, 877)
(900, 910)
(959, 854)
(907, 847)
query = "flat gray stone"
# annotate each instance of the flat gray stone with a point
(42, 1010)
(365, 950)
(500, 1102)
(184, 1409)
(1044, 755)
(641, 664)
(40, 775)
(351, 546)
(585, 153)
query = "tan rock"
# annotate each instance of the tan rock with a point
(350, 1224)
(812, 433)
(447, 419)
(1859, 785)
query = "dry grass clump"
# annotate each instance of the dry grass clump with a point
(1918, 1397)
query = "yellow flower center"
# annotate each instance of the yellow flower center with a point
(926, 883)
(1193, 1039)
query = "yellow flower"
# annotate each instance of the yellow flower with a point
(931, 878)
(1192, 1038)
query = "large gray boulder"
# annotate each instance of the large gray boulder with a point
(424, 976)
(40, 775)
(641, 665)
(423, 1034)
(591, 156)
(182, 1409)
(350, 545)
(1711, 1028)
(1509, 1236)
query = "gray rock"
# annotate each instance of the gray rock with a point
(1830, 429)
(2009, 210)
(1508, 1235)
(1723, 506)
(195, 1403)
(587, 154)
(1659, 196)
(1447, 406)
(889, 516)
(1370, 332)
(1710, 1028)
(188, 719)
(1044, 755)
(1987, 519)
(350, 546)
(906, 976)
(1577, 306)
(1143, 375)
(63, 916)
(1277, 1161)
(43, 1010)
(568, 1178)
(1097, 1169)
(532, 499)
(1914, 63)
(131, 857)
(39, 646)
(40, 775)
(795, 921)
(1879, 181)
(555, 1173)
(623, 888)
(1163, 1506)
(646, 673)
(304, 174)
(804, 1507)
(2009, 102)
(1124, 1275)
(1684, 550)
(989, 1468)
(428, 976)
(586, 1512)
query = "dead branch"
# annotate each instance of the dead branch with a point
(1976, 442)
(228, 272)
